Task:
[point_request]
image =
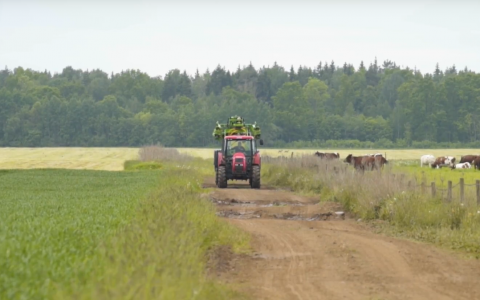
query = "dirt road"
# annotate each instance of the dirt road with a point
(303, 250)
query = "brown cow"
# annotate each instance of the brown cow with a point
(360, 162)
(443, 161)
(334, 155)
(368, 162)
(356, 161)
(468, 158)
(476, 163)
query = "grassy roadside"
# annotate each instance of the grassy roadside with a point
(68, 234)
(384, 202)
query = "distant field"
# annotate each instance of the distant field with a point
(112, 159)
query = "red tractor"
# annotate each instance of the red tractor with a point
(239, 158)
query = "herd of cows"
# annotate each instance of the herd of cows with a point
(365, 162)
(377, 161)
(466, 161)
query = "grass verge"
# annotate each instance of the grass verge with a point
(384, 199)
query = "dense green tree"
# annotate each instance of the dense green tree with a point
(246, 80)
(218, 80)
(382, 105)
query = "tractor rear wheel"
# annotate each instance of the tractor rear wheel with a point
(221, 177)
(255, 180)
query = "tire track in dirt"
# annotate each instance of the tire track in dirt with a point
(333, 259)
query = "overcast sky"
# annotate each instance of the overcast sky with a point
(157, 36)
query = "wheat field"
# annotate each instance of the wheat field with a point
(112, 159)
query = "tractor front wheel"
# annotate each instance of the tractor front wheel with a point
(255, 180)
(221, 177)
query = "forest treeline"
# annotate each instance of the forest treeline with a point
(328, 106)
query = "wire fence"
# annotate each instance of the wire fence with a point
(452, 191)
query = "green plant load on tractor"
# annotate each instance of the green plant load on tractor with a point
(236, 126)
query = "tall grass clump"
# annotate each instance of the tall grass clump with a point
(385, 195)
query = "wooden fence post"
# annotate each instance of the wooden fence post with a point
(477, 183)
(409, 184)
(424, 182)
(449, 192)
(462, 190)
(434, 190)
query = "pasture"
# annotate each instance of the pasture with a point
(439, 176)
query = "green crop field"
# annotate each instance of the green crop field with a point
(51, 221)
(118, 235)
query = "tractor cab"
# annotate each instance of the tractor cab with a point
(246, 146)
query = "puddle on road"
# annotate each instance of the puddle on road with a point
(233, 214)
(234, 202)
(276, 209)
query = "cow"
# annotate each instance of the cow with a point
(476, 163)
(468, 158)
(380, 161)
(465, 165)
(368, 162)
(322, 155)
(365, 162)
(356, 161)
(427, 159)
(443, 161)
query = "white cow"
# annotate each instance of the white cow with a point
(443, 161)
(465, 165)
(427, 160)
